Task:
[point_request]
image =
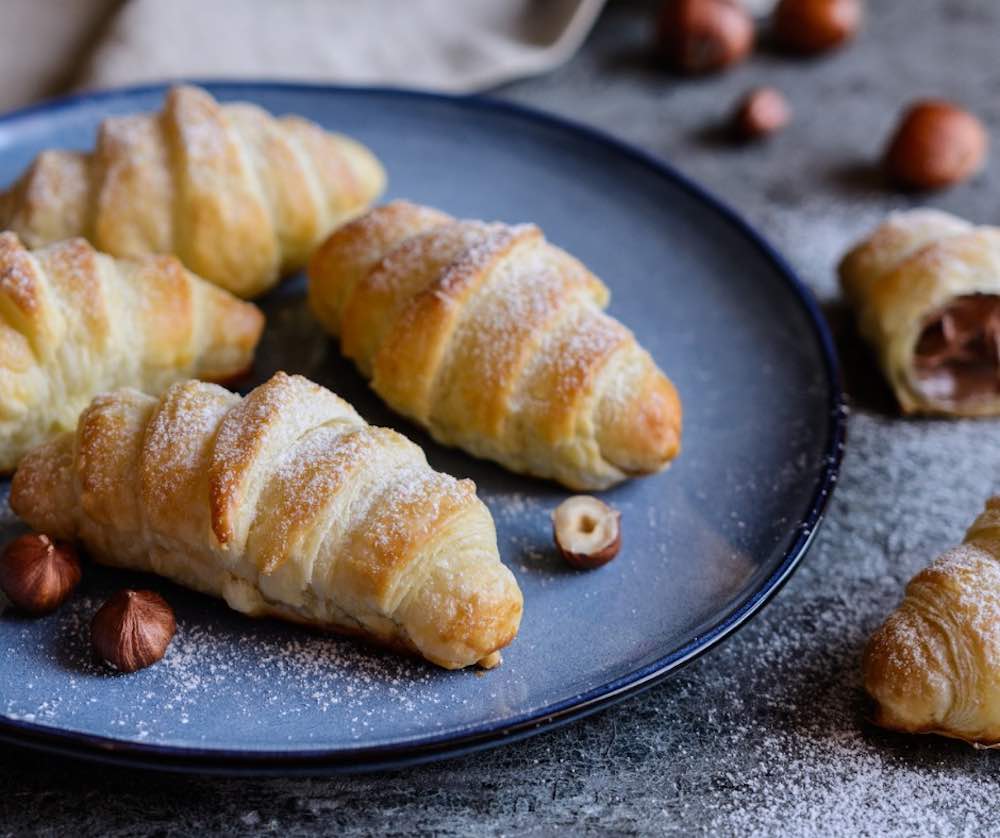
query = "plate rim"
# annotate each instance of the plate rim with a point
(228, 761)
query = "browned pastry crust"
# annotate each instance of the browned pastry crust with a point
(934, 665)
(75, 322)
(239, 196)
(495, 340)
(284, 503)
(926, 289)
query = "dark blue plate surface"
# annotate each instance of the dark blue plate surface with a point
(705, 543)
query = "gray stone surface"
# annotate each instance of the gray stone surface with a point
(767, 734)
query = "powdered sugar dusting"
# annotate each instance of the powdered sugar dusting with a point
(203, 130)
(786, 742)
(50, 201)
(814, 766)
(249, 421)
(318, 461)
(969, 579)
(489, 242)
(176, 438)
(354, 244)
(585, 343)
(413, 503)
(515, 512)
(18, 274)
(294, 675)
(308, 477)
(523, 295)
(426, 254)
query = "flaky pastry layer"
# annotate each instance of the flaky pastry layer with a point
(496, 342)
(284, 503)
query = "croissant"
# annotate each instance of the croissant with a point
(239, 196)
(285, 503)
(75, 322)
(934, 666)
(926, 287)
(495, 341)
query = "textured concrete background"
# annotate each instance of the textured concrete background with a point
(768, 733)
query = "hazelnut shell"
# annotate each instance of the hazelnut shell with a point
(132, 630)
(38, 574)
(704, 36)
(808, 27)
(762, 112)
(936, 144)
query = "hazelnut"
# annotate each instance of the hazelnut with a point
(38, 574)
(935, 144)
(702, 36)
(587, 531)
(812, 26)
(132, 630)
(762, 112)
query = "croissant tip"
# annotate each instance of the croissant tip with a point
(650, 435)
(490, 661)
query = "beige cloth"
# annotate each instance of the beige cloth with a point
(450, 45)
(42, 43)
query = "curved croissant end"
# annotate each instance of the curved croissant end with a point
(934, 665)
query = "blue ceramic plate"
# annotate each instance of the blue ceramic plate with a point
(705, 543)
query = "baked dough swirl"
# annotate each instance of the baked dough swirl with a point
(934, 665)
(75, 322)
(239, 196)
(284, 503)
(496, 342)
(926, 289)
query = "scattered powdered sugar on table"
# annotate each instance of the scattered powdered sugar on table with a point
(784, 698)
(811, 764)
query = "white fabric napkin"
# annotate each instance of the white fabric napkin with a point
(450, 45)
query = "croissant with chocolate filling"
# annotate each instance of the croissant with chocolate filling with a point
(934, 665)
(241, 197)
(495, 341)
(926, 289)
(75, 322)
(285, 503)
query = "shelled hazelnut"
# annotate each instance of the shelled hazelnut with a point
(587, 531)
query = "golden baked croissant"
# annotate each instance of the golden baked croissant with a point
(239, 196)
(926, 288)
(495, 341)
(285, 503)
(934, 666)
(75, 322)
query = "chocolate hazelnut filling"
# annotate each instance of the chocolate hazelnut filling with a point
(958, 354)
